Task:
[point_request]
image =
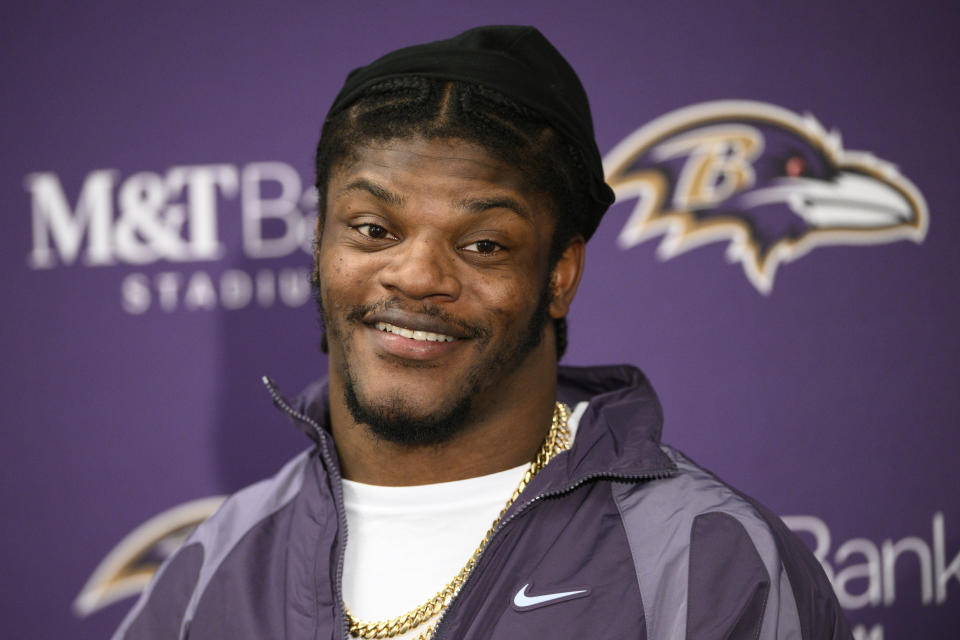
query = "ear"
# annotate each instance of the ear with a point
(566, 277)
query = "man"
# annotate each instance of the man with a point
(459, 182)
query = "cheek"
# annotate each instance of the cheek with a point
(505, 299)
(340, 274)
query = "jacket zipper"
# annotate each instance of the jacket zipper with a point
(280, 402)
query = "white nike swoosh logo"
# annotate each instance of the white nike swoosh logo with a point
(522, 600)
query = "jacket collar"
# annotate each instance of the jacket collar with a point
(618, 436)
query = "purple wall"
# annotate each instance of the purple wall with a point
(132, 386)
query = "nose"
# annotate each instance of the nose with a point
(421, 268)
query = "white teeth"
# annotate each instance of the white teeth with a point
(424, 336)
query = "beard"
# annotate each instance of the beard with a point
(392, 418)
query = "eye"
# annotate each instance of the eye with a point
(374, 231)
(483, 247)
(796, 167)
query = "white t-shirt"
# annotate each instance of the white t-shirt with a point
(405, 544)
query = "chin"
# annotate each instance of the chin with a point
(394, 418)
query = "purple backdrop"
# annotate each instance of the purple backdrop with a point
(152, 273)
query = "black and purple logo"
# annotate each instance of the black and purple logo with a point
(772, 183)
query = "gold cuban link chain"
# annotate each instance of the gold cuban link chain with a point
(557, 440)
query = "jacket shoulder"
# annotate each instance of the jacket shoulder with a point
(713, 562)
(167, 605)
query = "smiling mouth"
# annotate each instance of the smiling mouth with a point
(422, 336)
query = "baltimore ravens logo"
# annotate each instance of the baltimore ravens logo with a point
(772, 183)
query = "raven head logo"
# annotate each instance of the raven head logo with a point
(772, 183)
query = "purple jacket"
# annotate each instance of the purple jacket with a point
(657, 547)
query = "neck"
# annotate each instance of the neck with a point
(501, 433)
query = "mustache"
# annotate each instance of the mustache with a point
(359, 313)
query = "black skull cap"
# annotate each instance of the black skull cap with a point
(520, 63)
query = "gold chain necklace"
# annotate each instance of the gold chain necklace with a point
(557, 440)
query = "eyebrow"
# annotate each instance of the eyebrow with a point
(374, 189)
(469, 205)
(479, 205)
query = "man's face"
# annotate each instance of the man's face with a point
(434, 285)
